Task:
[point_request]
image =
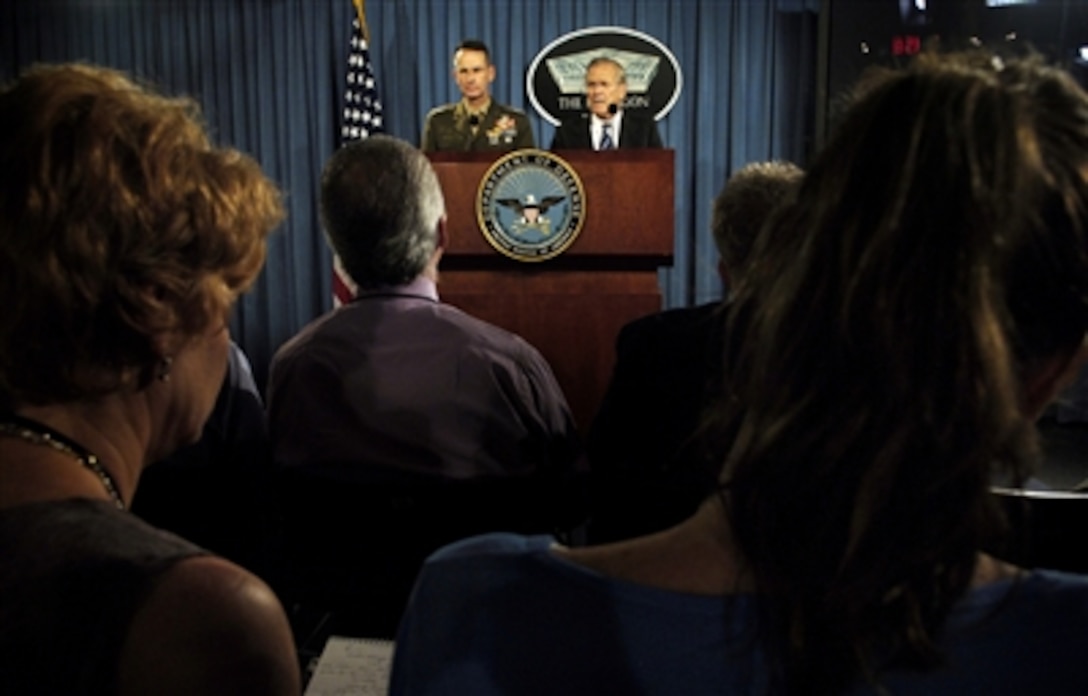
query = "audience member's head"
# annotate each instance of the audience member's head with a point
(742, 207)
(933, 297)
(383, 211)
(125, 238)
(123, 232)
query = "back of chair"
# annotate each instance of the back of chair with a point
(1047, 529)
(354, 548)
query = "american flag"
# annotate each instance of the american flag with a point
(362, 118)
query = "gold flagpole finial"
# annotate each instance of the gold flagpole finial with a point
(360, 11)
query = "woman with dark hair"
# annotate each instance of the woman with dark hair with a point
(125, 238)
(905, 322)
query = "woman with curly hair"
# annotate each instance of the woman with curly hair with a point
(125, 238)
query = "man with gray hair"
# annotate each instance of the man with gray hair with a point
(606, 125)
(397, 384)
(650, 467)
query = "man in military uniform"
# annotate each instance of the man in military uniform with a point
(476, 123)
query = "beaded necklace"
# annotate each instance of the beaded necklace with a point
(40, 434)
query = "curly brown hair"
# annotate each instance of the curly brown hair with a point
(119, 223)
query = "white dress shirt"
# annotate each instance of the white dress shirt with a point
(596, 129)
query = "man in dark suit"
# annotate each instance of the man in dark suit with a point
(650, 466)
(607, 125)
(476, 123)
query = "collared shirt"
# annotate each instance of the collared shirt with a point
(596, 129)
(422, 287)
(396, 383)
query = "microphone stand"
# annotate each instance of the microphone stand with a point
(473, 122)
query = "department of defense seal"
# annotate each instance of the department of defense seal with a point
(531, 205)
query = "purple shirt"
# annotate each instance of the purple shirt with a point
(397, 381)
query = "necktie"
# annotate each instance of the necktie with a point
(606, 137)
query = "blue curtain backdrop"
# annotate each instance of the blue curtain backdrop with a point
(270, 76)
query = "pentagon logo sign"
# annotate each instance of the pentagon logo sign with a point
(531, 205)
(556, 79)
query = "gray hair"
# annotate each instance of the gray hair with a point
(745, 203)
(605, 60)
(380, 206)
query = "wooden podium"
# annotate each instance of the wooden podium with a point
(572, 306)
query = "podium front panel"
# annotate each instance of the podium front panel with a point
(570, 307)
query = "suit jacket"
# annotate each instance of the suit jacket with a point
(649, 464)
(234, 450)
(504, 128)
(637, 131)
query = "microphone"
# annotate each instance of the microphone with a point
(612, 109)
(474, 120)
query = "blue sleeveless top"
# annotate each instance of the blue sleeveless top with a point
(500, 614)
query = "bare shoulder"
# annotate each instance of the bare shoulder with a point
(209, 627)
(989, 569)
(695, 557)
